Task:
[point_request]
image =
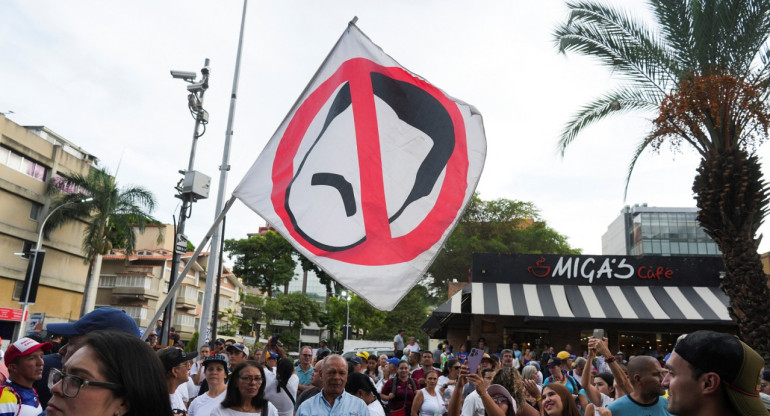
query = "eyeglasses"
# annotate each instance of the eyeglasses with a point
(249, 380)
(457, 367)
(662, 373)
(307, 355)
(71, 385)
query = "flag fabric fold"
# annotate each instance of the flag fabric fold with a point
(369, 172)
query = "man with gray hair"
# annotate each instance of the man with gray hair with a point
(508, 359)
(333, 400)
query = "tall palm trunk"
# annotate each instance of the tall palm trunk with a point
(92, 285)
(732, 199)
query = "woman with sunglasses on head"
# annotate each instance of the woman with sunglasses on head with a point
(448, 379)
(215, 372)
(246, 393)
(102, 378)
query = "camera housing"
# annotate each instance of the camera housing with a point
(185, 75)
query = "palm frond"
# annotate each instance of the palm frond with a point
(640, 148)
(675, 23)
(614, 102)
(619, 42)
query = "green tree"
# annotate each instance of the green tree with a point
(409, 314)
(704, 71)
(265, 261)
(498, 226)
(112, 215)
(295, 307)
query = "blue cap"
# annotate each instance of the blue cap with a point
(272, 354)
(97, 320)
(215, 358)
(394, 361)
(356, 360)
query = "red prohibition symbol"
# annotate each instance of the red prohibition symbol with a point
(362, 79)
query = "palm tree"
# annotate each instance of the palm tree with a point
(112, 214)
(704, 72)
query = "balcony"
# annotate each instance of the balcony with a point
(132, 286)
(187, 298)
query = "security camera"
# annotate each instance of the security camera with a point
(197, 87)
(185, 75)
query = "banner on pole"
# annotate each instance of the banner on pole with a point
(369, 172)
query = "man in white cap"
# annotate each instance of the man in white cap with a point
(24, 359)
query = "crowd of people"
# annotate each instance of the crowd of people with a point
(102, 366)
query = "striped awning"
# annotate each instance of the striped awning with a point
(616, 303)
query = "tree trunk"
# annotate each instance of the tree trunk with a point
(92, 285)
(732, 200)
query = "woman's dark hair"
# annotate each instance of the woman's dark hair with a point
(283, 371)
(143, 386)
(358, 381)
(448, 366)
(233, 396)
(569, 408)
(609, 379)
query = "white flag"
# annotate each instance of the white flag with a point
(369, 172)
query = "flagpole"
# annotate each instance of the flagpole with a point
(172, 290)
(212, 269)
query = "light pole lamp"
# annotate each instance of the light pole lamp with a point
(33, 265)
(347, 319)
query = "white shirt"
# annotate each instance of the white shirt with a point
(203, 405)
(375, 409)
(473, 406)
(280, 399)
(221, 411)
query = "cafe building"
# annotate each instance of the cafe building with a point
(643, 303)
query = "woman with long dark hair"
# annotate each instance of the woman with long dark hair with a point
(246, 393)
(361, 386)
(102, 378)
(448, 379)
(281, 387)
(558, 401)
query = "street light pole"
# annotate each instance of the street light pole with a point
(34, 264)
(188, 196)
(347, 319)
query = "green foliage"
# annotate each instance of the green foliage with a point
(297, 308)
(192, 344)
(264, 261)
(232, 322)
(498, 226)
(110, 215)
(190, 246)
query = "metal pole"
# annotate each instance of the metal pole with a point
(219, 283)
(223, 169)
(34, 263)
(187, 200)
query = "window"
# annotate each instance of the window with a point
(22, 164)
(107, 281)
(34, 212)
(136, 312)
(18, 286)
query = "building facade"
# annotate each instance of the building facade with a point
(138, 283)
(29, 156)
(642, 303)
(642, 230)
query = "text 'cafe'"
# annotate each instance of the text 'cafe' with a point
(643, 303)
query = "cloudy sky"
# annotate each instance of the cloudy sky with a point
(97, 73)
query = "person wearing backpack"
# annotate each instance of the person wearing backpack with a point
(24, 359)
(560, 376)
(401, 390)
